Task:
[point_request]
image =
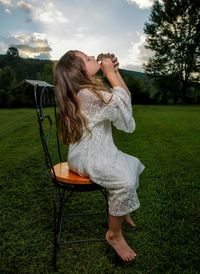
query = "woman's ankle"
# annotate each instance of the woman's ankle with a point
(113, 234)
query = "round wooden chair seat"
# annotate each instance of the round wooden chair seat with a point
(64, 175)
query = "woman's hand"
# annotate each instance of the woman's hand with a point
(113, 58)
(107, 66)
(115, 62)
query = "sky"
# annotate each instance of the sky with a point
(46, 29)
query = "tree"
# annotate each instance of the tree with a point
(173, 34)
(7, 81)
(47, 73)
(12, 51)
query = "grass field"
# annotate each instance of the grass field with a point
(166, 140)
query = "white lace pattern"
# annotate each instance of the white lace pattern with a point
(97, 156)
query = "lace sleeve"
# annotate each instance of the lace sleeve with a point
(117, 108)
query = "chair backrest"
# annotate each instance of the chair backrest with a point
(46, 113)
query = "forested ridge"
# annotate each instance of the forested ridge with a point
(13, 70)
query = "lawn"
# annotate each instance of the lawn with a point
(166, 140)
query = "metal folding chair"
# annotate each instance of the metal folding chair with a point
(66, 182)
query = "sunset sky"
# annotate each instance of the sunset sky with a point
(47, 29)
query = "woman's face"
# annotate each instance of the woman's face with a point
(91, 65)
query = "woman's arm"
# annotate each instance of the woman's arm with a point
(116, 66)
(110, 68)
(123, 84)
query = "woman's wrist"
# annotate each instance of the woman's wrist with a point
(113, 79)
(121, 80)
(110, 74)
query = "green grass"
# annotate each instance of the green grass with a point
(166, 140)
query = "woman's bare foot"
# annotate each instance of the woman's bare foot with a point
(128, 220)
(120, 246)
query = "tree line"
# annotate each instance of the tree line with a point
(13, 70)
(144, 90)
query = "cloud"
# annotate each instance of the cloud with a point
(4, 42)
(7, 11)
(142, 4)
(43, 56)
(132, 67)
(143, 53)
(137, 54)
(27, 7)
(6, 3)
(44, 11)
(2, 46)
(33, 45)
(30, 50)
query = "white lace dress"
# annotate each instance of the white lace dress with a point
(97, 156)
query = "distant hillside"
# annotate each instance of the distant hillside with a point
(144, 90)
(29, 68)
(13, 70)
(23, 68)
(132, 73)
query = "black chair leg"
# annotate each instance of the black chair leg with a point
(55, 243)
(58, 214)
(58, 219)
(57, 211)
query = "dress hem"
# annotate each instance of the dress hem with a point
(125, 213)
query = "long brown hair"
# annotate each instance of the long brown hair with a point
(70, 76)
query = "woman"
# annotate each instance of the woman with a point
(87, 108)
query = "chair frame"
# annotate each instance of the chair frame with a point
(63, 190)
